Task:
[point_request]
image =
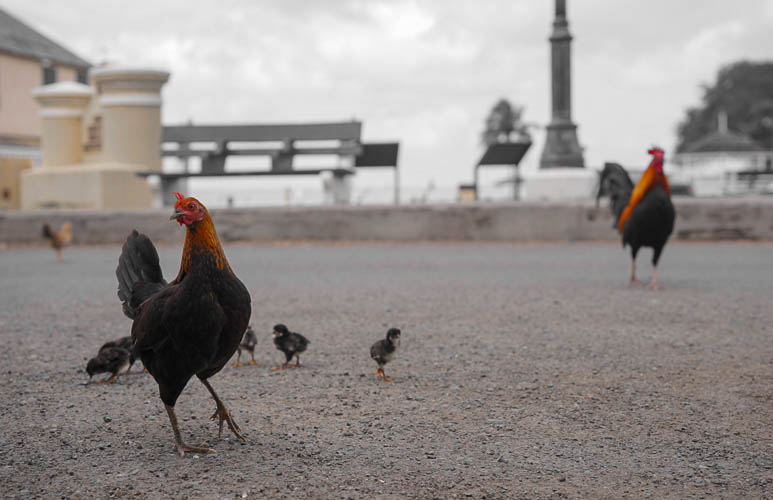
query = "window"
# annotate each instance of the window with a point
(49, 72)
(82, 76)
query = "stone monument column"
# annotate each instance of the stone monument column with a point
(61, 110)
(130, 99)
(562, 149)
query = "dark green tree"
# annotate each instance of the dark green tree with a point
(504, 123)
(744, 90)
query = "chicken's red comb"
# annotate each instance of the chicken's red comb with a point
(179, 197)
(655, 150)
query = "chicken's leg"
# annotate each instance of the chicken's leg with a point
(223, 413)
(383, 375)
(182, 447)
(634, 281)
(59, 255)
(654, 281)
(238, 357)
(297, 361)
(253, 362)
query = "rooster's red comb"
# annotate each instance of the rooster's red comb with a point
(655, 150)
(179, 198)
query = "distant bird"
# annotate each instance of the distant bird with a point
(644, 214)
(191, 326)
(249, 340)
(124, 343)
(290, 343)
(59, 239)
(112, 360)
(385, 351)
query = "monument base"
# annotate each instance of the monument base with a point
(559, 184)
(92, 186)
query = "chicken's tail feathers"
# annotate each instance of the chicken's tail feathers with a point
(615, 182)
(47, 232)
(138, 272)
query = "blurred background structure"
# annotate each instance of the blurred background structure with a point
(416, 73)
(27, 60)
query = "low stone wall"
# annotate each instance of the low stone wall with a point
(697, 219)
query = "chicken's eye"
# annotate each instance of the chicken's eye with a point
(191, 206)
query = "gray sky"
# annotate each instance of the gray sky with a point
(422, 72)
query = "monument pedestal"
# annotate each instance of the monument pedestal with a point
(559, 184)
(92, 186)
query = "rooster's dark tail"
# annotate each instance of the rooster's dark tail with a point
(47, 232)
(138, 272)
(615, 182)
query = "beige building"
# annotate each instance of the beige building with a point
(95, 140)
(28, 60)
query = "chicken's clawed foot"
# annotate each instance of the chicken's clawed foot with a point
(225, 416)
(383, 376)
(252, 363)
(238, 364)
(202, 448)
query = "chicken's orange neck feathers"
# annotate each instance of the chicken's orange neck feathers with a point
(651, 177)
(199, 239)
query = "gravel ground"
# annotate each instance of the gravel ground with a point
(526, 371)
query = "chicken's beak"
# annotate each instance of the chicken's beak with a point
(177, 215)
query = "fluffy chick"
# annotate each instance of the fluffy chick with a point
(385, 351)
(124, 343)
(113, 360)
(291, 344)
(249, 340)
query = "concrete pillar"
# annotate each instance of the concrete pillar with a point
(61, 109)
(130, 99)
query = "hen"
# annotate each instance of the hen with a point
(191, 326)
(644, 215)
(59, 239)
(291, 344)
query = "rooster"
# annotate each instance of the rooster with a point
(191, 326)
(59, 239)
(644, 215)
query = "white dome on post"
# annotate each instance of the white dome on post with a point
(62, 106)
(130, 100)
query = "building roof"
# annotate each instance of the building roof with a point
(19, 39)
(723, 141)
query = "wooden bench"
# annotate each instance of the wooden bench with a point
(282, 143)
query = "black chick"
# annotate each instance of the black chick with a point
(290, 343)
(249, 340)
(385, 351)
(124, 343)
(113, 360)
